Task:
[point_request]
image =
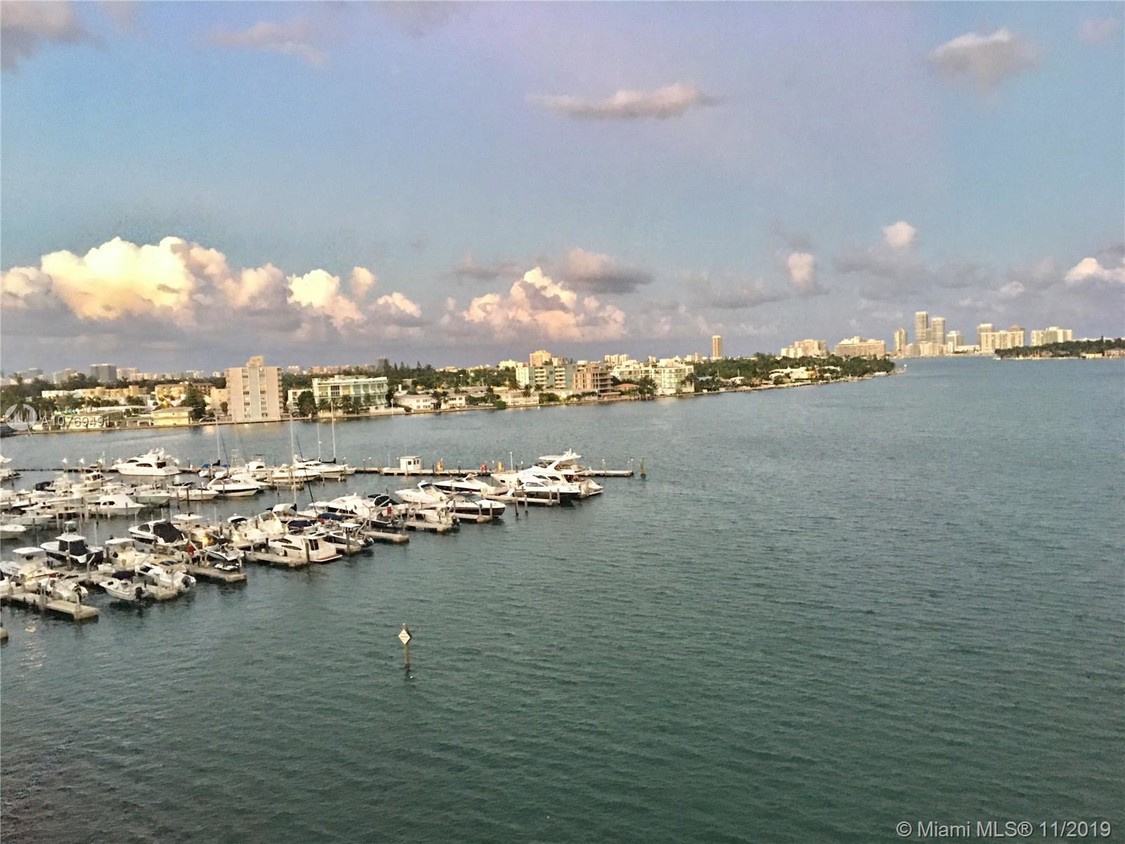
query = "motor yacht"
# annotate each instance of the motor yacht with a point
(151, 464)
(72, 550)
(302, 546)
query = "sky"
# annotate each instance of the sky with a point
(184, 185)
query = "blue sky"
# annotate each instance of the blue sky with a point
(187, 184)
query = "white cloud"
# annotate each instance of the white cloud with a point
(290, 39)
(1098, 31)
(538, 307)
(363, 280)
(320, 291)
(26, 26)
(900, 235)
(669, 101)
(986, 60)
(1091, 268)
(802, 271)
(1012, 290)
(397, 309)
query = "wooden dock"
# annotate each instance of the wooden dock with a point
(3, 635)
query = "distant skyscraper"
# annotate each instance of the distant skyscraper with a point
(937, 331)
(921, 327)
(105, 373)
(716, 346)
(900, 341)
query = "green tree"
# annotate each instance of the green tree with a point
(193, 398)
(306, 404)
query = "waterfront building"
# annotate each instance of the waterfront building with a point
(416, 403)
(255, 392)
(1013, 338)
(368, 391)
(806, 349)
(62, 376)
(860, 347)
(540, 357)
(716, 346)
(591, 377)
(171, 417)
(1053, 334)
(982, 329)
(954, 340)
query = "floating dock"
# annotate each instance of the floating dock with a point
(216, 575)
(393, 537)
(39, 601)
(277, 560)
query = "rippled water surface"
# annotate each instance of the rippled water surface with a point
(824, 611)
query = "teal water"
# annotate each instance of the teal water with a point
(825, 611)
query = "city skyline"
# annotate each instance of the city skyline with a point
(187, 185)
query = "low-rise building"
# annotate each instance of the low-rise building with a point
(369, 391)
(416, 403)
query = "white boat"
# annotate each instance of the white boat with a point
(294, 474)
(187, 491)
(160, 533)
(468, 484)
(300, 546)
(114, 504)
(165, 576)
(126, 589)
(11, 530)
(235, 486)
(346, 537)
(67, 589)
(71, 549)
(150, 494)
(463, 507)
(540, 481)
(27, 566)
(151, 464)
(6, 472)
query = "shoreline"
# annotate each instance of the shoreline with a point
(398, 412)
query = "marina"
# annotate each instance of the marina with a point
(160, 559)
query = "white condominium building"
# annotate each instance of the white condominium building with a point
(255, 392)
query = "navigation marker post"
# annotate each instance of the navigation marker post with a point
(405, 637)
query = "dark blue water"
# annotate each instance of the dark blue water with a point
(826, 610)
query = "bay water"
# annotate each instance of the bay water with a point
(824, 611)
